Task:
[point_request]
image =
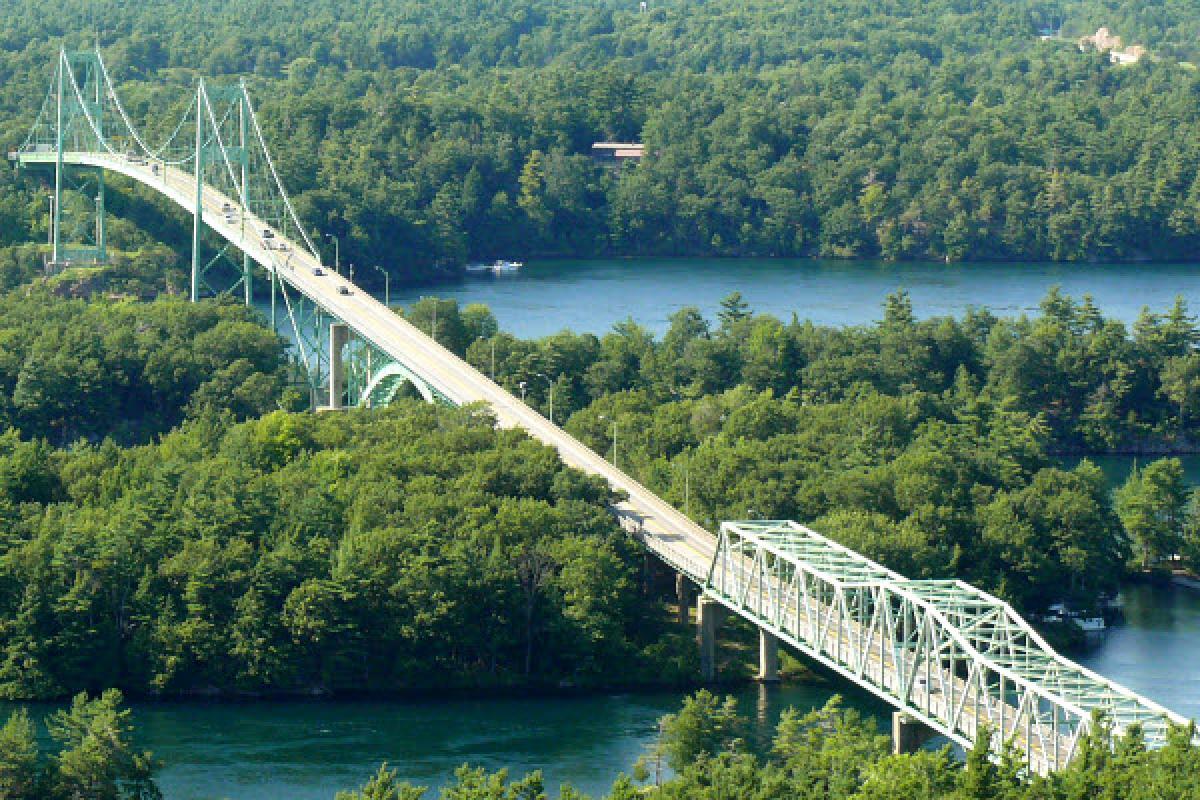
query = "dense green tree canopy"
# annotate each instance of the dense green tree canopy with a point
(94, 757)
(406, 548)
(418, 546)
(76, 369)
(833, 753)
(428, 133)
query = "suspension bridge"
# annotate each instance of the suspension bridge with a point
(948, 656)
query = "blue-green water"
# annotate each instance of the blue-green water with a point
(589, 296)
(305, 750)
(308, 750)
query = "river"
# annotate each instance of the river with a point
(589, 296)
(309, 750)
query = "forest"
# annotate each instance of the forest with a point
(424, 135)
(176, 529)
(374, 551)
(830, 753)
(171, 524)
(833, 753)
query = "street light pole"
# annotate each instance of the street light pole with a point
(351, 278)
(522, 385)
(687, 488)
(614, 438)
(549, 383)
(493, 342)
(614, 454)
(337, 253)
(387, 294)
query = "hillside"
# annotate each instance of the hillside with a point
(425, 134)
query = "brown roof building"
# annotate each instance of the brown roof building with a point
(617, 152)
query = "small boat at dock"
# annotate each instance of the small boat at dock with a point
(498, 267)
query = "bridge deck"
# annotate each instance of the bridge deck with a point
(669, 533)
(951, 655)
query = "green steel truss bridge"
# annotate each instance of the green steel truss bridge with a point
(941, 652)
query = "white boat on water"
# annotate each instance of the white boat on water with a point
(1085, 622)
(496, 267)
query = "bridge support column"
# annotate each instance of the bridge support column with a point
(339, 335)
(683, 597)
(101, 243)
(709, 614)
(768, 657)
(908, 733)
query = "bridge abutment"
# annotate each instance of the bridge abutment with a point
(908, 733)
(709, 614)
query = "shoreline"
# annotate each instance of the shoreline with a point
(460, 275)
(316, 696)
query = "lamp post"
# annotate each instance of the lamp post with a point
(351, 277)
(614, 438)
(387, 294)
(337, 253)
(549, 383)
(687, 487)
(522, 384)
(492, 340)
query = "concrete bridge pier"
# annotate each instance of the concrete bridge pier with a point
(709, 614)
(768, 657)
(339, 335)
(908, 733)
(683, 597)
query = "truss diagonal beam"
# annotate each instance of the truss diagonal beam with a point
(949, 654)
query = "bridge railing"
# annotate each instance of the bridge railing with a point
(949, 654)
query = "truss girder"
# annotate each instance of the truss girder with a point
(951, 655)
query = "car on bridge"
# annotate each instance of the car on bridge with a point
(343, 289)
(318, 271)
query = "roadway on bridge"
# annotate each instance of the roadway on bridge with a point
(669, 533)
(954, 706)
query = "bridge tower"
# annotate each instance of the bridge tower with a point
(73, 109)
(217, 166)
(222, 156)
